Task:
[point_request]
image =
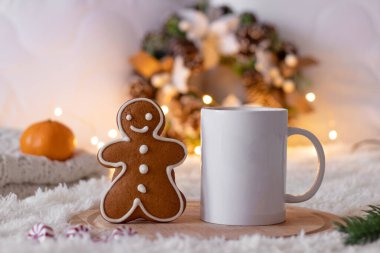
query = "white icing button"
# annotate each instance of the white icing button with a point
(129, 117)
(148, 116)
(143, 168)
(143, 149)
(141, 188)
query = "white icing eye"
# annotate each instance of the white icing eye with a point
(148, 116)
(129, 117)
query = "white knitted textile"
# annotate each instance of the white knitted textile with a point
(23, 174)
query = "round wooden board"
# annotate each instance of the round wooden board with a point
(297, 219)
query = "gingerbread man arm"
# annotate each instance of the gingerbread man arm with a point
(111, 154)
(179, 149)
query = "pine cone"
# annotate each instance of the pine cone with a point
(259, 92)
(250, 36)
(185, 116)
(252, 78)
(140, 88)
(182, 121)
(285, 49)
(194, 120)
(190, 53)
(263, 96)
(190, 104)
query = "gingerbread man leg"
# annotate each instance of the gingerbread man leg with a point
(118, 202)
(164, 202)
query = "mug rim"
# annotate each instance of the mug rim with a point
(244, 109)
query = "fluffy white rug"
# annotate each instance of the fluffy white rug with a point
(351, 183)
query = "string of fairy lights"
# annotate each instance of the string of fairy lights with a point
(207, 99)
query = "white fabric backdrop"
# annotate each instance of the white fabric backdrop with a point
(344, 35)
(73, 54)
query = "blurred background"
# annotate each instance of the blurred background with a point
(70, 60)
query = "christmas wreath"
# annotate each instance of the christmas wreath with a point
(211, 56)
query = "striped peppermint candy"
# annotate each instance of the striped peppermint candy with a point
(99, 238)
(122, 231)
(78, 231)
(40, 232)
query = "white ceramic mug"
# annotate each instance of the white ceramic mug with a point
(244, 165)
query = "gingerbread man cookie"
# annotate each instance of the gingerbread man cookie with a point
(143, 184)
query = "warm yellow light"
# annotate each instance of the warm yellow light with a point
(198, 150)
(112, 133)
(58, 111)
(207, 99)
(94, 140)
(75, 142)
(310, 97)
(111, 171)
(291, 60)
(278, 81)
(100, 144)
(288, 86)
(165, 109)
(333, 134)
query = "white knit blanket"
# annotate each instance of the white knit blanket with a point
(351, 183)
(24, 174)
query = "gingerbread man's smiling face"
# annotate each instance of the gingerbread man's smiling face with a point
(140, 117)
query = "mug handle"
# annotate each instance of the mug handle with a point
(321, 168)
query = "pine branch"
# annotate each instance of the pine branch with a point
(361, 230)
